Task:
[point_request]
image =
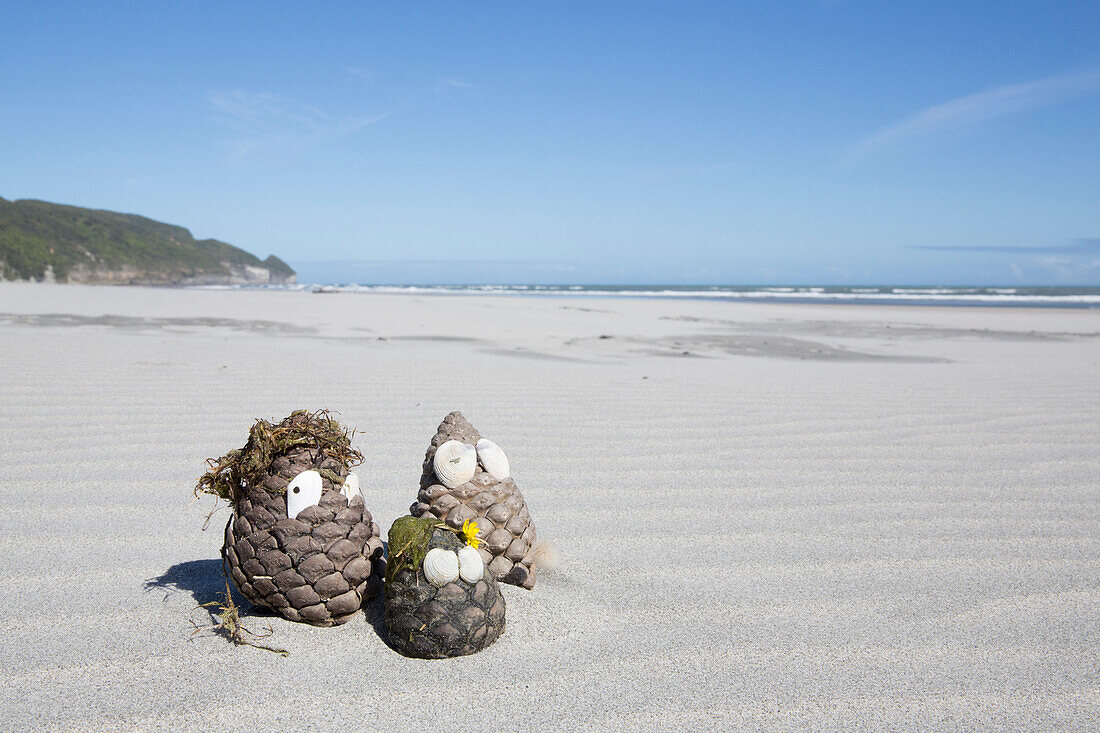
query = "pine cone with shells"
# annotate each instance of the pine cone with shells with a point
(470, 481)
(440, 601)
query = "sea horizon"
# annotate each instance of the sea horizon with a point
(920, 295)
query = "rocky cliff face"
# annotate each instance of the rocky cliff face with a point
(246, 275)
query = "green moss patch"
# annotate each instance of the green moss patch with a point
(408, 544)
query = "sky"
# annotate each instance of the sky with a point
(785, 142)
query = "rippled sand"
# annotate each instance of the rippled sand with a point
(779, 517)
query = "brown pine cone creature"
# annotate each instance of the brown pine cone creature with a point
(301, 542)
(467, 478)
(440, 602)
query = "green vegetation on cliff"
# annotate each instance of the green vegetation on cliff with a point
(38, 238)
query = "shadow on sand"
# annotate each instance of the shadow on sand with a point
(208, 586)
(374, 610)
(206, 583)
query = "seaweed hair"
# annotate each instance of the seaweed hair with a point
(231, 476)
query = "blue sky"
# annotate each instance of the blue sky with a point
(741, 143)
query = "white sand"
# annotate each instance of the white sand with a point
(821, 517)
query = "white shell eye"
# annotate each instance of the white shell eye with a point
(304, 491)
(441, 567)
(493, 459)
(351, 487)
(454, 463)
(470, 565)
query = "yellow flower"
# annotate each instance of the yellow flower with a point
(469, 529)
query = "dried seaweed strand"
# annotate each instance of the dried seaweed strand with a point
(231, 627)
(230, 476)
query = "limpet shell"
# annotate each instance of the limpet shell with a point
(493, 459)
(455, 463)
(303, 492)
(351, 487)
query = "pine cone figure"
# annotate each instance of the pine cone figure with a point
(320, 565)
(432, 610)
(476, 485)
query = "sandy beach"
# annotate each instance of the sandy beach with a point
(771, 516)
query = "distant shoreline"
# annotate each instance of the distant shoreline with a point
(1001, 297)
(1076, 297)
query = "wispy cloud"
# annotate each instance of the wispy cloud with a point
(273, 122)
(361, 73)
(1066, 270)
(685, 171)
(980, 107)
(1077, 262)
(1078, 247)
(446, 83)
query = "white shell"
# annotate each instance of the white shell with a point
(351, 487)
(441, 567)
(303, 492)
(470, 565)
(455, 463)
(493, 459)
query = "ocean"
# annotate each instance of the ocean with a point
(1028, 297)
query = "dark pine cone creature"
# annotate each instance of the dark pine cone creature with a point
(440, 602)
(467, 478)
(321, 560)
